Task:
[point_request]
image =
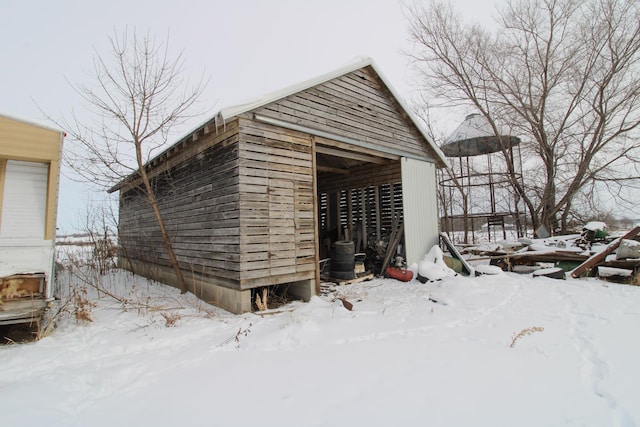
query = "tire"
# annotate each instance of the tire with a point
(342, 266)
(343, 263)
(343, 257)
(343, 275)
(344, 247)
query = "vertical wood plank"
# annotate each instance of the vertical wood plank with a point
(349, 214)
(376, 190)
(328, 214)
(316, 237)
(392, 202)
(339, 213)
(364, 218)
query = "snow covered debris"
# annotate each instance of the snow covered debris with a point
(488, 269)
(628, 249)
(409, 354)
(595, 226)
(433, 267)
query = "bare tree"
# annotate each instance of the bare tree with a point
(137, 98)
(561, 74)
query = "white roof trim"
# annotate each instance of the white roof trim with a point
(229, 112)
(360, 62)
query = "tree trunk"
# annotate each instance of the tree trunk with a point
(165, 235)
(565, 215)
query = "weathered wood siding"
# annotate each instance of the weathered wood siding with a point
(357, 106)
(241, 206)
(277, 231)
(199, 200)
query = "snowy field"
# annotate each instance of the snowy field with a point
(408, 354)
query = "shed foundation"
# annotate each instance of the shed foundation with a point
(234, 300)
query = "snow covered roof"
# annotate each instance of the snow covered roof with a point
(356, 64)
(228, 113)
(475, 136)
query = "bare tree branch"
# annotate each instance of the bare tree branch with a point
(562, 74)
(137, 96)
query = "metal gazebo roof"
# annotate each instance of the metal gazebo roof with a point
(475, 136)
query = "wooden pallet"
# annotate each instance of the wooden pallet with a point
(359, 278)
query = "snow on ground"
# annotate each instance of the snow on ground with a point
(409, 354)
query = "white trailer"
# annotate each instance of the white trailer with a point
(29, 177)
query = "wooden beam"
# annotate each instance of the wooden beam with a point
(377, 201)
(367, 174)
(350, 155)
(596, 259)
(328, 213)
(316, 237)
(330, 169)
(392, 201)
(349, 214)
(394, 240)
(364, 218)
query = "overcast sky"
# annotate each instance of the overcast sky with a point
(246, 47)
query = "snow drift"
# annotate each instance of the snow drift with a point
(446, 353)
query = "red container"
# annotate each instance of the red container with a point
(399, 273)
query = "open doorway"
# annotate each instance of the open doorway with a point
(359, 200)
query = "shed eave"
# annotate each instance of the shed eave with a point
(229, 113)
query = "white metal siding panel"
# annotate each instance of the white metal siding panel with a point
(419, 195)
(25, 200)
(22, 257)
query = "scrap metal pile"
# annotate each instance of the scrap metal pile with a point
(594, 252)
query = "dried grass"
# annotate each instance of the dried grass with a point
(241, 332)
(524, 333)
(82, 307)
(261, 302)
(171, 319)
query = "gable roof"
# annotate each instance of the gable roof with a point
(230, 112)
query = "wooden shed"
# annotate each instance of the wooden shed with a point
(256, 196)
(29, 175)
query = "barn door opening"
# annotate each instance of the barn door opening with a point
(359, 199)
